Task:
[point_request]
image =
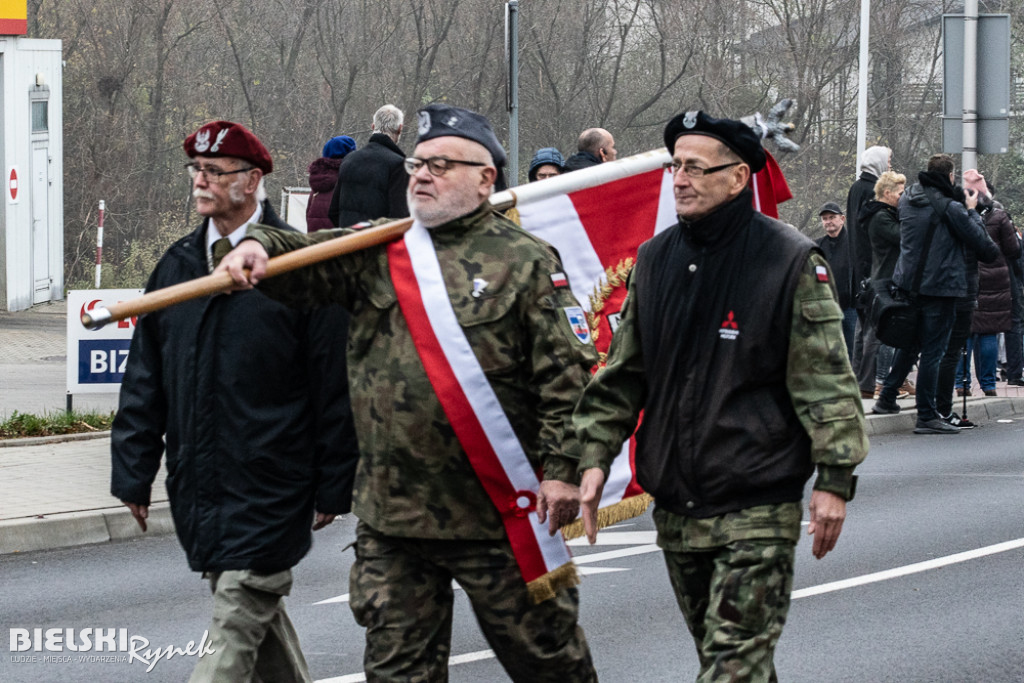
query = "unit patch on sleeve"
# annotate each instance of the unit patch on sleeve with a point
(578, 322)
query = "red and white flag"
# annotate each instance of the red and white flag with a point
(597, 231)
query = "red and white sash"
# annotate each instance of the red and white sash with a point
(475, 413)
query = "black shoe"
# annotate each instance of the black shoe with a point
(935, 426)
(991, 392)
(1016, 382)
(884, 407)
(960, 422)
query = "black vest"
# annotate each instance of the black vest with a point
(715, 303)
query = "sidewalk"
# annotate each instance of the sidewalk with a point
(54, 491)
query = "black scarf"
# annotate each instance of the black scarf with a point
(940, 182)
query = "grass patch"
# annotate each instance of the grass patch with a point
(20, 425)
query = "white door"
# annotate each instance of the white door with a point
(39, 192)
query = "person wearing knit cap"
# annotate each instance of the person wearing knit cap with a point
(874, 161)
(243, 397)
(323, 176)
(730, 343)
(546, 163)
(467, 320)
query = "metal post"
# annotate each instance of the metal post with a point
(99, 244)
(970, 134)
(513, 85)
(862, 84)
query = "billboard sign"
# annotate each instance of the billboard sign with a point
(96, 359)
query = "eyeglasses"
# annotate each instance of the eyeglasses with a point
(695, 171)
(212, 175)
(437, 166)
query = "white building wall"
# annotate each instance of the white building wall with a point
(26, 63)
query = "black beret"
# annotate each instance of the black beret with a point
(735, 135)
(438, 120)
(228, 139)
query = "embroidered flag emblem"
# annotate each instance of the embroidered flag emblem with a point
(559, 280)
(822, 273)
(729, 329)
(578, 323)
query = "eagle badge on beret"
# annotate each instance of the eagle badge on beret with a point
(202, 141)
(690, 120)
(423, 123)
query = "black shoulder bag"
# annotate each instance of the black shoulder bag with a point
(893, 311)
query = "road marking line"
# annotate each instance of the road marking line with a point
(455, 659)
(583, 559)
(802, 593)
(909, 569)
(616, 554)
(618, 538)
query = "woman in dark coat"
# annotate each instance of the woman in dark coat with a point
(323, 174)
(995, 305)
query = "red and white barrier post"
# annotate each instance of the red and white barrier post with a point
(99, 245)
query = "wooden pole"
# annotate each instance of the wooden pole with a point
(222, 282)
(368, 237)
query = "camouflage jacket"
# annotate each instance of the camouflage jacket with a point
(819, 381)
(413, 478)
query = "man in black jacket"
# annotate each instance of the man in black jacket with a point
(372, 180)
(936, 275)
(252, 397)
(595, 146)
(839, 252)
(730, 342)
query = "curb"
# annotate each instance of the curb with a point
(905, 421)
(69, 529)
(53, 438)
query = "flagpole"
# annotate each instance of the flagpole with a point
(581, 180)
(500, 201)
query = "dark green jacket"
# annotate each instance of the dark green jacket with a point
(414, 479)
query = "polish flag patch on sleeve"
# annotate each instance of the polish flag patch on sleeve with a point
(822, 273)
(559, 280)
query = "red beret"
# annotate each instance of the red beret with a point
(227, 139)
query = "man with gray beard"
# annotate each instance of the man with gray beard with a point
(467, 355)
(253, 400)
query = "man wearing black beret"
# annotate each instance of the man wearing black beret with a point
(731, 344)
(468, 353)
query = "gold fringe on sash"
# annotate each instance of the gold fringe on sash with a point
(612, 514)
(545, 587)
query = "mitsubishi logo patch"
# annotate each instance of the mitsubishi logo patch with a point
(729, 329)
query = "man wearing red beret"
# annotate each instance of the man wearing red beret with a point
(253, 400)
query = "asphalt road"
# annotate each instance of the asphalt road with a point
(927, 584)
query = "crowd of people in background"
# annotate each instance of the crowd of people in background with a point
(955, 250)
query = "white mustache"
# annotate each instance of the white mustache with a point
(202, 194)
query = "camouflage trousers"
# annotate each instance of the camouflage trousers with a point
(735, 599)
(401, 592)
